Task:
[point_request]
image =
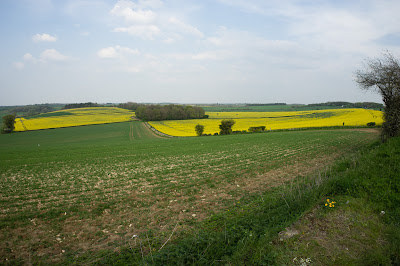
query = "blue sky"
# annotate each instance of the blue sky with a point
(184, 51)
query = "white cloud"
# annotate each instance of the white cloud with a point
(141, 19)
(140, 4)
(44, 38)
(143, 31)
(28, 57)
(244, 43)
(108, 52)
(116, 52)
(53, 55)
(126, 10)
(19, 65)
(185, 28)
(150, 3)
(333, 26)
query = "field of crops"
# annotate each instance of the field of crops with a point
(272, 120)
(74, 117)
(78, 191)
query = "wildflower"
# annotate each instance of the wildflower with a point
(330, 204)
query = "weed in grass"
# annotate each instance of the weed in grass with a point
(329, 203)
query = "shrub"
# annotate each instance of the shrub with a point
(226, 126)
(257, 129)
(8, 124)
(199, 129)
(371, 124)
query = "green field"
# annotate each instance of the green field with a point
(82, 190)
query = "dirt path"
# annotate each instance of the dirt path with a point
(138, 130)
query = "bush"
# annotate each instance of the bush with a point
(8, 124)
(199, 129)
(371, 124)
(226, 126)
(257, 129)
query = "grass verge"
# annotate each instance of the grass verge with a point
(361, 229)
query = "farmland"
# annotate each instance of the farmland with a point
(77, 191)
(73, 117)
(272, 120)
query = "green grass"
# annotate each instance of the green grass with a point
(87, 190)
(353, 232)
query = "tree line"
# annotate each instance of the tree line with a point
(81, 105)
(29, 110)
(369, 105)
(169, 112)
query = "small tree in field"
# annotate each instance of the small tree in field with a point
(226, 126)
(8, 123)
(383, 76)
(199, 129)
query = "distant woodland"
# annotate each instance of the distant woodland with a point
(369, 105)
(81, 105)
(169, 112)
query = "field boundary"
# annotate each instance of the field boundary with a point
(155, 131)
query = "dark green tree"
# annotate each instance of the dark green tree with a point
(199, 129)
(226, 126)
(383, 75)
(168, 112)
(8, 123)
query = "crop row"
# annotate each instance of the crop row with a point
(88, 196)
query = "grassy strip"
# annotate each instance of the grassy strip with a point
(245, 234)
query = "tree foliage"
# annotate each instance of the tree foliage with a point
(369, 105)
(81, 105)
(383, 75)
(129, 105)
(226, 126)
(8, 123)
(169, 112)
(199, 129)
(257, 129)
(29, 110)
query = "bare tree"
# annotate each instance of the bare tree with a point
(383, 75)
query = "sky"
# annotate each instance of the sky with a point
(187, 51)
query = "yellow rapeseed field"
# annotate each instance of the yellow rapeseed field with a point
(74, 117)
(272, 120)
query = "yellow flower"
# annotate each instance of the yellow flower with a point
(74, 117)
(329, 203)
(272, 120)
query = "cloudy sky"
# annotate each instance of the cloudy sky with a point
(191, 51)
